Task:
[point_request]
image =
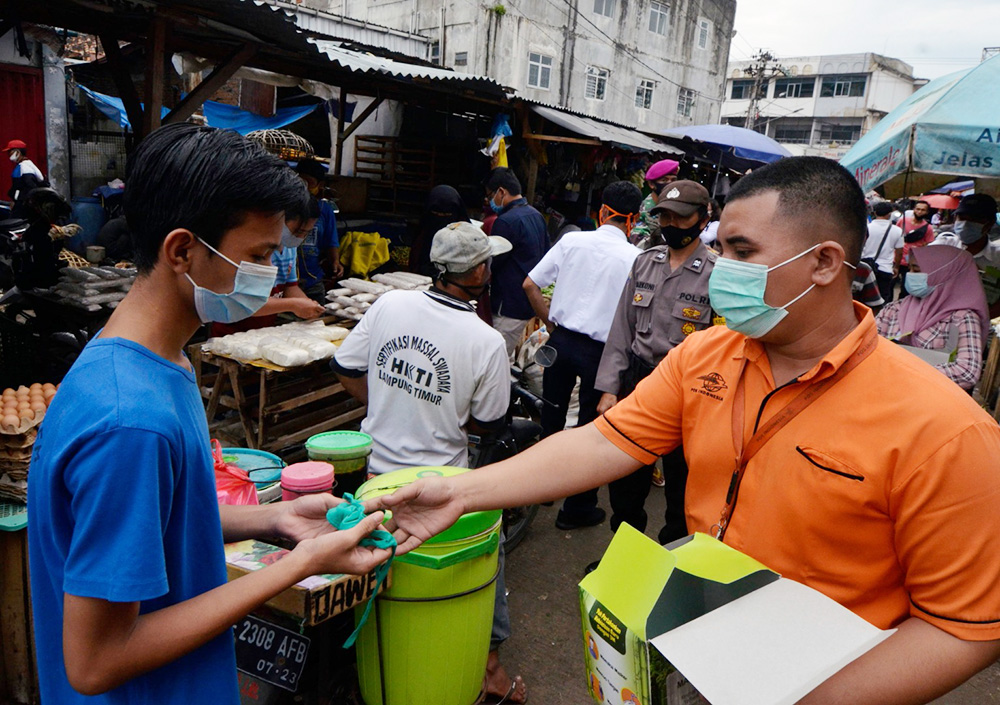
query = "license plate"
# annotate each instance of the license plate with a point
(270, 653)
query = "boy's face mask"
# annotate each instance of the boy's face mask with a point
(251, 290)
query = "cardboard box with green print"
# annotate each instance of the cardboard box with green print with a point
(699, 622)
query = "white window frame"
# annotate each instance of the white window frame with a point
(604, 8)
(659, 17)
(704, 32)
(644, 94)
(544, 65)
(461, 58)
(434, 53)
(598, 78)
(685, 101)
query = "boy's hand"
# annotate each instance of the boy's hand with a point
(419, 511)
(304, 308)
(305, 517)
(339, 552)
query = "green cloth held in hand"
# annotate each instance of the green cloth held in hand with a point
(347, 515)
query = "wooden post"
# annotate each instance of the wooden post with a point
(15, 620)
(341, 107)
(123, 81)
(155, 49)
(215, 80)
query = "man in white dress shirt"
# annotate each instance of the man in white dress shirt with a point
(590, 270)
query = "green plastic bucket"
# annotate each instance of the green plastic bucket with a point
(348, 451)
(427, 640)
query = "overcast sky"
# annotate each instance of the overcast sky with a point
(935, 37)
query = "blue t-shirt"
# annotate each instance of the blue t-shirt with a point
(122, 507)
(284, 259)
(322, 237)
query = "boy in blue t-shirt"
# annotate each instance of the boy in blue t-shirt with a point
(323, 238)
(128, 578)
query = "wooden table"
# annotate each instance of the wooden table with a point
(275, 407)
(18, 673)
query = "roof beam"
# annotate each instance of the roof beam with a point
(123, 80)
(215, 80)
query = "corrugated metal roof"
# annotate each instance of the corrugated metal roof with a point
(369, 63)
(604, 131)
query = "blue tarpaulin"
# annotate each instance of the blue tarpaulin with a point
(217, 114)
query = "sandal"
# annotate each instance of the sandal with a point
(493, 699)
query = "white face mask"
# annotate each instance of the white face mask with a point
(15, 155)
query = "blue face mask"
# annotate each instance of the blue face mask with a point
(917, 284)
(736, 291)
(251, 290)
(289, 239)
(496, 209)
(968, 232)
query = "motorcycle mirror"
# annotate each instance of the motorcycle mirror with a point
(545, 356)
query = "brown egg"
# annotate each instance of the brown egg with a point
(36, 385)
(22, 392)
(23, 404)
(26, 414)
(8, 393)
(11, 422)
(49, 385)
(48, 394)
(38, 406)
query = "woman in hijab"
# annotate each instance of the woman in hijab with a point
(444, 207)
(945, 312)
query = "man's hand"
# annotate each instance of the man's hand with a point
(338, 269)
(304, 308)
(340, 552)
(419, 511)
(305, 517)
(606, 402)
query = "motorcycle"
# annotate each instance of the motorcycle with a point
(521, 431)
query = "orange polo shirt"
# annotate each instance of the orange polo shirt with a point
(884, 494)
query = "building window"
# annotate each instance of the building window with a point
(794, 87)
(659, 15)
(704, 33)
(539, 70)
(644, 94)
(604, 7)
(434, 53)
(793, 131)
(741, 90)
(461, 58)
(844, 134)
(597, 83)
(852, 86)
(685, 101)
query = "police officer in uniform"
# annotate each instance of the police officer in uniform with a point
(664, 301)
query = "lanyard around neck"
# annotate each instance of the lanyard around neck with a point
(807, 396)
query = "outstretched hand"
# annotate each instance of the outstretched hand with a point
(339, 551)
(419, 511)
(305, 517)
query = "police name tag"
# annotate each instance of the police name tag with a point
(270, 653)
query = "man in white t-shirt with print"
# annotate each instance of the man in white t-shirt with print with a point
(430, 370)
(884, 245)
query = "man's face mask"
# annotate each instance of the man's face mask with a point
(969, 231)
(736, 291)
(15, 155)
(251, 290)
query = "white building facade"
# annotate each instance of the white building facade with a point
(817, 105)
(655, 64)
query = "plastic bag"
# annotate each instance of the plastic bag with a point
(232, 483)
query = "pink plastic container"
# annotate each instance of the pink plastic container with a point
(312, 477)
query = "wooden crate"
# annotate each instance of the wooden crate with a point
(18, 671)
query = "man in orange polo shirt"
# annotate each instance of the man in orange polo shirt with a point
(884, 502)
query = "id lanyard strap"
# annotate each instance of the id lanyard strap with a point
(806, 397)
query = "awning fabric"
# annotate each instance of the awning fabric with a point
(605, 132)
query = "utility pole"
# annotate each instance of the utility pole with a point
(762, 70)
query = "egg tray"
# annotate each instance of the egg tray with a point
(26, 425)
(20, 440)
(15, 454)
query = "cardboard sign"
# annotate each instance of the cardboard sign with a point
(699, 622)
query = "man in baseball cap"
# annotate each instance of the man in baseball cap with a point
(646, 232)
(446, 373)
(25, 177)
(975, 218)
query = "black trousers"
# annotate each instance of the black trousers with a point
(885, 282)
(577, 356)
(628, 494)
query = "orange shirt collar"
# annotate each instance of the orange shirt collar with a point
(753, 350)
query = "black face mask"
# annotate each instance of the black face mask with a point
(679, 238)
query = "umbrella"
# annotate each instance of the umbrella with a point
(743, 143)
(947, 127)
(939, 200)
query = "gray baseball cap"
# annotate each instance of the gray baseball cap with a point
(462, 246)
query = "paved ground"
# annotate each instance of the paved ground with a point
(546, 647)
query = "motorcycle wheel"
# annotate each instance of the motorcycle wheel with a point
(515, 524)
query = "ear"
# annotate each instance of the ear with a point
(830, 258)
(177, 248)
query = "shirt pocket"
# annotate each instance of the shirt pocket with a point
(642, 302)
(820, 461)
(688, 317)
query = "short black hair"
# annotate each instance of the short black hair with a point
(623, 197)
(814, 188)
(313, 209)
(204, 179)
(504, 178)
(882, 209)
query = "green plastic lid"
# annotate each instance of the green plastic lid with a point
(340, 444)
(468, 525)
